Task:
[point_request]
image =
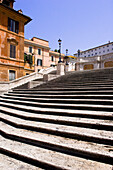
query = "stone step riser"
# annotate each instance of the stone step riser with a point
(61, 97)
(86, 115)
(94, 139)
(27, 159)
(75, 86)
(63, 90)
(63, 122)
(97, 102)
(68, 93)
(85, 84)
(77, 107)
(58, 148)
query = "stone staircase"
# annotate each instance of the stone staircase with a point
(66, 123)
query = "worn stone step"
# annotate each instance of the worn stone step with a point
(7, 162)
(61, 106)
(58, 89)
(60, 112)
(85, 134)
(76, 92)
(63, 101)
(81, 85)
(63, 120)
(47, 159)
(87, 83)
(48, 96)
(60, 144)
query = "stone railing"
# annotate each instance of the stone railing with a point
(6, 86)
(88, 59)
(107, 57)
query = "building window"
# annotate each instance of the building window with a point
(11, 75)
(39, 51)
(88, 55)
(95, 49)
(84, 52)
(13, 25)
(12, 51)
(108, 50)
(92, 50)
(38, 70)
(30, 49)
(104, 51)
(92, 54)
(95, 53)
(52, 58)
(39, 62)
(84, 56)
(112, 48)
(99, 52)
(107, 45)
(103, 47)
(99, 48)
(27, 74)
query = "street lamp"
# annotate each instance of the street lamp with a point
(59, 41)
(66, 56)
(66, 52)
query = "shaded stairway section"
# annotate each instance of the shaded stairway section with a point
(64, 124)
(88, 78)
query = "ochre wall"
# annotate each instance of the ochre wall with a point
(8, 37)
(108, 64)
(88, 67)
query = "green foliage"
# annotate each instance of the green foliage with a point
(28, 59)
(55, 50)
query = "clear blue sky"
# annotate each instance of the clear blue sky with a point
(81, 24)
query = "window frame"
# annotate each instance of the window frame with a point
(39, 51)
(12, 51)
(52, 58)
(39, 62)
(30, 49)
(13, 25)
(14, 75)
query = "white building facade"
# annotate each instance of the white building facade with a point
(95, 58)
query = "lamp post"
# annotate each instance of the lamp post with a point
(66, 56)
(59, 41)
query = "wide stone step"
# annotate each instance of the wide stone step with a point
(100, 153)
(59, 112)
(65, 92)
(85, 134)
(63, 120)
(65, 89)
(10, 163)
(47, 159)
(63, 101)
(80, 86)
(61, 106)
(48, 96)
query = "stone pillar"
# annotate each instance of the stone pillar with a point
(60, 69)
(45, 77)
(66, 68)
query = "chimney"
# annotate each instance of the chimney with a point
(8, 3)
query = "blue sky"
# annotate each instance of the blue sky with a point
(80, 24)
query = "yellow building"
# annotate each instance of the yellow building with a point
(41, 52)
